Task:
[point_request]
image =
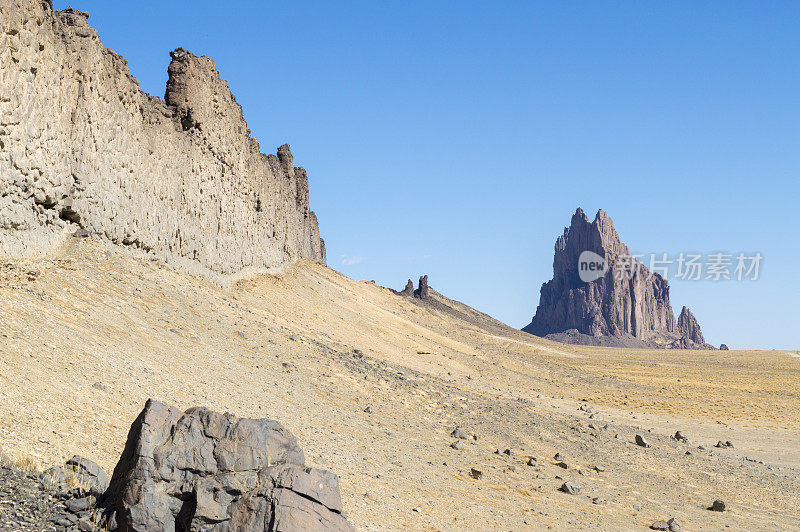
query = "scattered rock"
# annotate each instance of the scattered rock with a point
(723, 347)
(573, 488)
(99, 386)
(659, 525)
(457, 445)
(508, 452)
(460, 434)
(641, 442)
(477, 474)
(674, 526)
(532, 461)
(724, 445)
(558, 457)
(368, 410)
(563, 465)
(679, 436)
(717, 506)
(79, 505)
(598, 500)
(295, 338)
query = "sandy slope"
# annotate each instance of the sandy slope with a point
(88, 335)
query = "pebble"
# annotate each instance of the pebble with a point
(718, 506)
(641, 442)
(573, 488)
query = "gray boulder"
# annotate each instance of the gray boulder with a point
(202, 470)
(86, 475)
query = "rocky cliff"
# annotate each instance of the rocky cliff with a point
(625, 306)
(81, 146)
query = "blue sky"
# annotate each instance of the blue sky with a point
(456, 139)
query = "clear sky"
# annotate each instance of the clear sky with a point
(456, 139)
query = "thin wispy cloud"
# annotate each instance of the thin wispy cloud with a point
(350, 261)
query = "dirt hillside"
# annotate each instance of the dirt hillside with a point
(373, 384)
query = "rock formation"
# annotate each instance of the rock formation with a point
(689, 329)
(201, 470)
(626, 306)
(81, 146)
(422, 292)
(408, 291)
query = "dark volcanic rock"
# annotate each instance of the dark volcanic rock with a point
(422, 291)
(201, 470)
(723, 347)
(408, 291)
(627, 303)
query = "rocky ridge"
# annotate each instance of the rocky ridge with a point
(627, 306)
(82, 147)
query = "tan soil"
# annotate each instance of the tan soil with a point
(96, 313)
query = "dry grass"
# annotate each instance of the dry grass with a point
(27, 464)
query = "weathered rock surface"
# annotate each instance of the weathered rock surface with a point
(81, 146)
(689, 329)
(201, 470)
(630, 310)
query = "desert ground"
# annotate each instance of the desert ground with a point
(373, 384)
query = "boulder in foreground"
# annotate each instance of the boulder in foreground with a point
(202, 470)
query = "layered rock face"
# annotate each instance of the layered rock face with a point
(201, 470)
(634, 306)
(81, 146)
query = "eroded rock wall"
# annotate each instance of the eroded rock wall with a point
(82, 146)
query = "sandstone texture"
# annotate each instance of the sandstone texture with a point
(202, 470)
(82, 147)
(619, 310)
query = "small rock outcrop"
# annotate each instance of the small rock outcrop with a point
(723, 347)
(202, 470)
(689, 329)
(422, 292)
(624, 305)
(408, 291)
